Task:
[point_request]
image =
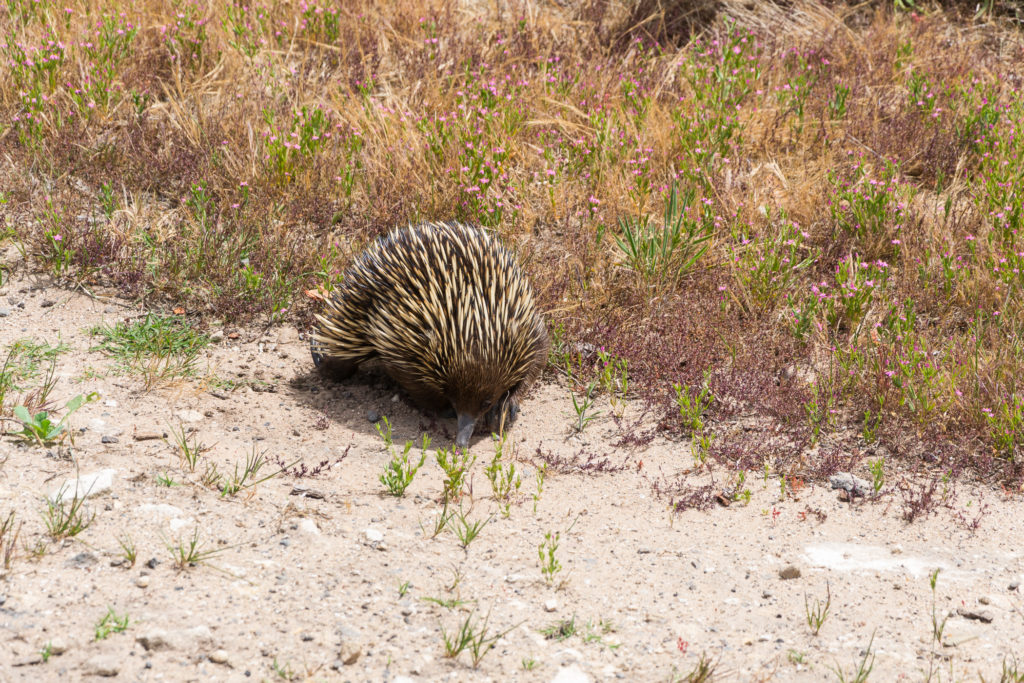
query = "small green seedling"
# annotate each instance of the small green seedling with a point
(111, 623)
(465, 530)
(505, 481)
(877, 468)
(189, 446)
(582, 405)
(66, 520)
(541, 473)
(456, 463)
(383, 426)
(549, 564)
(41, 428)
(818, 613)
(187, 554)
(561, 630)
(863, 668)
(692, 407)
(473, 636)
(128, 550)
(399, 471)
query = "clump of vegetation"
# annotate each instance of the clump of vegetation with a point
(158, 347)
(735, 200)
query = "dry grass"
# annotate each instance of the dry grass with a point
(857, 171)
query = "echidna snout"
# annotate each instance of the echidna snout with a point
(448, 313)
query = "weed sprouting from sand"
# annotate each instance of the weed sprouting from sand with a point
(864, 667)
(703, 671)
(455, 463)
(66, 519)
(399, 471)
(128, 550)
(248, 476)
(9, 532)
(158, 347)
(189, 552)
(817, 613)
(505, 480)
(472, 635)
(583, 405)
(464, 529)
(111, 622)
(42, 428)
(546, 552)
(189, 447)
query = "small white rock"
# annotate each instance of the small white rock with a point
(177, 523)
(95, 484)
(58, 646)
(219, 656)
(550, 605)
(160, 510)
(308, 526)
(142, 581)
(189, 415)
(373, 535)
(571, 674)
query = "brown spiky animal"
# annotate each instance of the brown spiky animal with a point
(450, 316)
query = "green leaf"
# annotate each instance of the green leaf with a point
(21, 412)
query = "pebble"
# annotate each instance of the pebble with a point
(349, 653)
(82, 560)
(373, 535)
(789, 572)
(216, 337)
(219, 656)
(58, 646)
(308, 527)
(95, 484)
(146, 436)
(108, 439)
(189, 415)
(156, 639)
(571, 674)
(855, 486)
(47, 303)
(372, 415)
(142, 581)
(983, 615)
(1014, 585)
(4, 312)
(103, 665)
(550, 605)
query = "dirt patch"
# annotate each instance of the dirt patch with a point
(315, 572)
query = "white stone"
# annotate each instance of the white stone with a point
(95, 484)
(373, 535)
(550, 605)
(571, 674)
(308, 526)
(189, 415)
(160, 510)
(178, 523)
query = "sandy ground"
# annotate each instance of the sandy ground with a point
(323, 576)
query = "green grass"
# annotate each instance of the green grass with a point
(158, 347)
(110, 623)
(29, 370)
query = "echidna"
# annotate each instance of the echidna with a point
(450, 316)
